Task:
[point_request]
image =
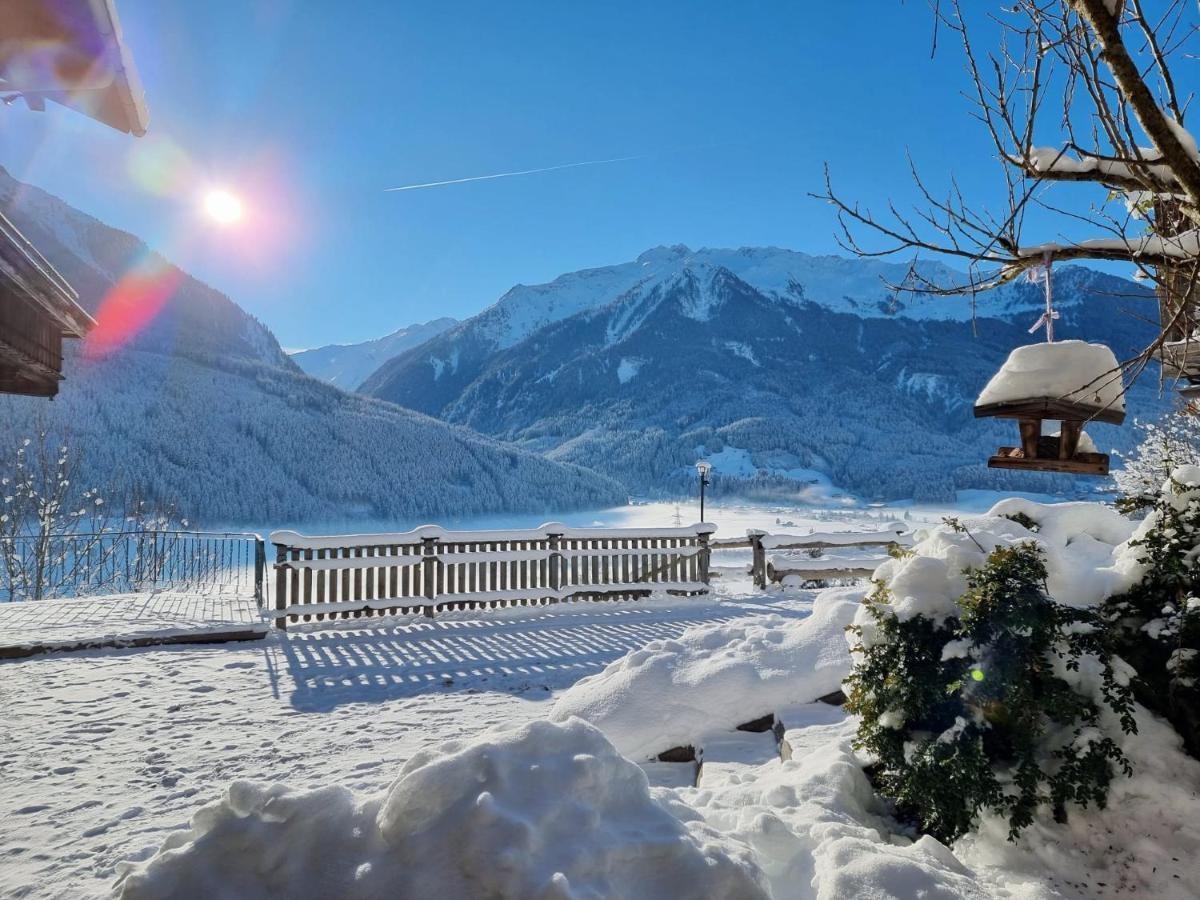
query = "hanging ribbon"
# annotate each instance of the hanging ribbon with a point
(1042, 274)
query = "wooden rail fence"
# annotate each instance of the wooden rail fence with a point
(430, 568)
(767, 569)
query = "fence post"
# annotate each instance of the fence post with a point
(260, 569)
(429, 572)
(555, 563)
(705, 557)
(280, 585)
(758, 567)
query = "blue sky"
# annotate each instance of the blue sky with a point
(310, 110)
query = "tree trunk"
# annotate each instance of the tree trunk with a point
(1177, 300)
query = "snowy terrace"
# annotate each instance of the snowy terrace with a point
(334, 741)
(110, 750)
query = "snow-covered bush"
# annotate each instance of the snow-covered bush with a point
(1157, 622)
(712, 678)
(543, 811)
(968, 675)
(1163, 446)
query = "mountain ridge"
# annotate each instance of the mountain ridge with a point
(348, 365)
(202, 410)
(795, 372)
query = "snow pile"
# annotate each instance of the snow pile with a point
(818, 829)
(1071, 370)
(1146, 843)
(542, 811)
(713, 678)
(1083, 545)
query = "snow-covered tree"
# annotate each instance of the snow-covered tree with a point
(1080, 91)
(1163, 446)
(54, 530)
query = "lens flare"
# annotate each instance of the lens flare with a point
(223, 207)
(132, 304)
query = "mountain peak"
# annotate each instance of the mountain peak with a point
(665, 254)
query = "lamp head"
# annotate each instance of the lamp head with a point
(704, 467)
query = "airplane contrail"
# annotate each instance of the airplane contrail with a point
(574, 165)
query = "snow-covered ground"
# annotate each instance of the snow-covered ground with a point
(450, 758)
(107, 752)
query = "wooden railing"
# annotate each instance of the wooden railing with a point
(767, 569)
(420, 571)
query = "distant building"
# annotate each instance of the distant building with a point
(70, 53)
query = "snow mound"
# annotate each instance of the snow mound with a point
(1083, 544)
(543, 811)
(1071, 370)
(819, 831)
(713, 678)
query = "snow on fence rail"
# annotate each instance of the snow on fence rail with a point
(767, 569)
(352, 575)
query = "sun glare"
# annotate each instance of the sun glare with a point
(223, 207)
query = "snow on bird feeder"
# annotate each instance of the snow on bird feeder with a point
(1071, 382)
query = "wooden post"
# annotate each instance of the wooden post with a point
(1031, 432)
(260, 568)
(705, 555)
(555, 563)
(429, 572)
(1068, 439)
(280, 584)
(759, 567)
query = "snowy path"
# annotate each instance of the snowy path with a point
(125, 617)
(107, 751)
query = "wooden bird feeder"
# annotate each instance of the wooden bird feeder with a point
(1070, 382)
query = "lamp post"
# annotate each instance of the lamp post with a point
(703, 467)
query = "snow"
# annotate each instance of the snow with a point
(628, 368)
(713, 678)
(745, 351)
(1085, 554)
(836, 283)
(427, 532)
(541, 810)
(108, 752)
(368, 761)
(1072, 370)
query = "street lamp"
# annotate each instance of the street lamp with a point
(703, 467)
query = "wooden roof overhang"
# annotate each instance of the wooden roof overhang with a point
(37, 310)
(1055, 408)
(71, 53)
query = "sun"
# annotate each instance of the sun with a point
(223, 207)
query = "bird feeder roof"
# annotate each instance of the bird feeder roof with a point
(1067, 380)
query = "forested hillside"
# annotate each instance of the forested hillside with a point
(202, 410)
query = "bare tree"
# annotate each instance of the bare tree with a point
(56, 535)
(1080, 91)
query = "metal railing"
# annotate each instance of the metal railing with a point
(42, 567)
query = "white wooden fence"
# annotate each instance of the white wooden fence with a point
(768, 566)
(429, 568)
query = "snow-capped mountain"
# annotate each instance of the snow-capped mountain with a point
(203, 410)
(346, 365)
(784, 366)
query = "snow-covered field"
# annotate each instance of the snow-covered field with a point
(452, 758)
